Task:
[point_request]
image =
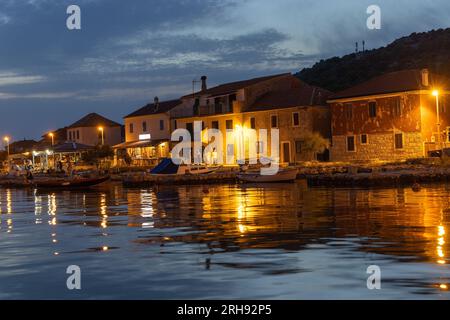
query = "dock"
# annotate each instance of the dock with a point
(143, 179)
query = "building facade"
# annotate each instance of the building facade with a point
(392, 117)
(94, 129)
(280, 102)
(148, 132)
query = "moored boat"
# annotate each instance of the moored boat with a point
(52, 182)
(167, 167)
(283, 175)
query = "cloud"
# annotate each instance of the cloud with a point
(4, 19)
(11, 78)
(42, 95)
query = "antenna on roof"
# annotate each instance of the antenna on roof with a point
(364, 45)
(356, 47)
(194, 82)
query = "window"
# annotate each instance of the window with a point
(144, 126)
(217, 105)
(70, 135)
(298, 146)
(252, 123)
(161, 125)
(78, 134)
(131, 128)
(364, 139)
(229, 124)
(372, 109)
(351, 144)
(398, 141)
(398, 107)
(274, 121)
(295, 119)
(348, 111)
(259, 147)
(175, 124)
(215, 124)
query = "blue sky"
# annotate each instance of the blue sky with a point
(130, 51)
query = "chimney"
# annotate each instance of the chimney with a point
(156, 103)
(204, 87)
(425, 78)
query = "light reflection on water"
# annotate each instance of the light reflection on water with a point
(271, 241)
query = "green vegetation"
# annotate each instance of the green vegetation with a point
(419, 50)
(313, 143)
(96, 156)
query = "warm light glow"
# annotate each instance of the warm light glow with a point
(100, 128)
(51, 135)
(435, 93)
(6, 139)
(443, 287)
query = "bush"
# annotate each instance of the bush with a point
(313, 143)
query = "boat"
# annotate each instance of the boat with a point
(283, 175)
(42, 182)
(166, 167)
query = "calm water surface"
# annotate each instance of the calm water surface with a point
(282, 241)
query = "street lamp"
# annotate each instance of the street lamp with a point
(53, 137)
(438, 119)
(6, 139)
(102, 130)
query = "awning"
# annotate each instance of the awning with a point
(139, 144)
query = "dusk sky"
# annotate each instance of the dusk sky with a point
(130, 51)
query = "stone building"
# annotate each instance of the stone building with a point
(280, 101)
(391, 117)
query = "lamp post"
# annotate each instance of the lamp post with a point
(6, 139)
(438, 119)
(53, 138)
(102, 131)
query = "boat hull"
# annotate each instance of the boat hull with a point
(53, 183)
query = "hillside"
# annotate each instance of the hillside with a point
(418, 50)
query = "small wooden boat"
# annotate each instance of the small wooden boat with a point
(283, 175)
(52, 183)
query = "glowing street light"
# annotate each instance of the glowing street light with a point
(102, 130)
(438, 119)
(53, 138)
(6, 139)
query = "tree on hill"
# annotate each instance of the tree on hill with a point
(419, 50)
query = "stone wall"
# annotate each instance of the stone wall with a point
(379, 147)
